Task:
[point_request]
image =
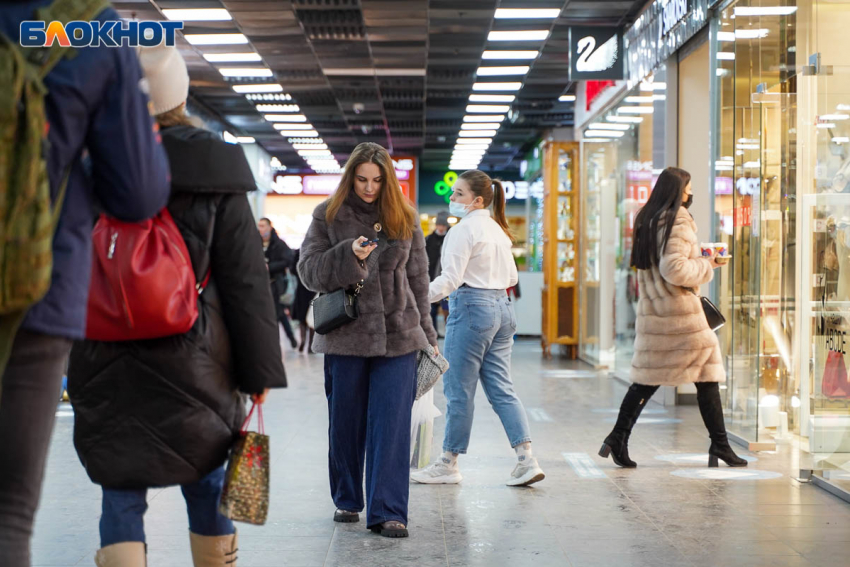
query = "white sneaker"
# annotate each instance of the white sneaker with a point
(526, 474)
(438, 473)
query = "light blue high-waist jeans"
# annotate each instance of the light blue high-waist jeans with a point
(479, 338)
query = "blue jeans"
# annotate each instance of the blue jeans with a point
(479, 338)
(369, 405)
(124, 511)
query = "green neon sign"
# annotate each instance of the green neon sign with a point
(444, 188)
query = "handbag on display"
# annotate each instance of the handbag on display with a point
(430, 365)
(835, 384)
(338, 308)
(245, 495)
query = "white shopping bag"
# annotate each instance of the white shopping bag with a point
(422, 430)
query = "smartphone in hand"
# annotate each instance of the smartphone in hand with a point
(366, 243)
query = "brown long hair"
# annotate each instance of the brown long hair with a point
(397, 216)
(491, 191)
(663, 206)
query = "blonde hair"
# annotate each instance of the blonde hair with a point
(174, 117)
(397, 216)
(491, 191)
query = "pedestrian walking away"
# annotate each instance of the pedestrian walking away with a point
(674, 343)
(165, 411)
(91, 101)
(280, 260)
(370, 362)
(477, 269)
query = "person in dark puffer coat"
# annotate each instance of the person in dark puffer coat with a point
(166, 411)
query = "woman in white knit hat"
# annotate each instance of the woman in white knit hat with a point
(164, 412)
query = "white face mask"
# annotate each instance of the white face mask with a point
(458, 209)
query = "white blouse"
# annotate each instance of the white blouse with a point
(476, 252)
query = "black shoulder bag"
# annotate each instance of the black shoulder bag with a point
(333, 310)
(712, 314)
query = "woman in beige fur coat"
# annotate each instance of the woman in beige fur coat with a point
(674, 344)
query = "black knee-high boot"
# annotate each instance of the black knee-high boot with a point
(711, 409)
(617, 442)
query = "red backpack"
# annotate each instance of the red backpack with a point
(142, 281)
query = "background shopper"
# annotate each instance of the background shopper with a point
(93, 101)
(434, 247)
(477, 269)
(674, 344)
(165, 411)
(300, 308)
(280, 259)
(370, 363)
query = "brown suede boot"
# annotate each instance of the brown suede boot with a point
(214, 551)
(128, 554)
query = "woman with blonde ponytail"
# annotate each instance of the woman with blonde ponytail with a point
(477, 269)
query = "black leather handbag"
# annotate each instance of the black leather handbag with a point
(338, 308)
(712, 314)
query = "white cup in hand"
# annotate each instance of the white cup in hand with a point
(362, 252)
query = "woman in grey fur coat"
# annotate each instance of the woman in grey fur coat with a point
(370, 363)
(674, 344)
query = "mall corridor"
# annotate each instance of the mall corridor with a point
(670, 511)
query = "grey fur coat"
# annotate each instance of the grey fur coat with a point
(674, 344)
(394, 311)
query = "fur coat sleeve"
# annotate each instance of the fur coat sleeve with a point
(419, 278)
(324, 267)
(680, 263)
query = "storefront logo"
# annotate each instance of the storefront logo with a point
(596, 53)
(673, 12)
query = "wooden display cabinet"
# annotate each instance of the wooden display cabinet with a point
(561, 235)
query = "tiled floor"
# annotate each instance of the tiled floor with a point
(635, 517)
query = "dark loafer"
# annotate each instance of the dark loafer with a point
(390, 529)
(346, 517)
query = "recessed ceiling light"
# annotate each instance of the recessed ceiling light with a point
(473, 133)
(725, 56)
(725, 36)
(640, 99)
(232, 57)
(304, 133)
(317, 152)
(261, 88)
(293, 126)
(522, 54)
(635, 110)
(525, 35)
(475, 141)
(647, 86)
(487, 108)
(766, 11)
(752, 34)
(479, 126)
(285, 117)
(497, 71)
(229, 138)
(625, 119)
(316, 146)
(492, 98)
(216, 38)
(567, 98)
(197, 14)
(245, 72)
(283, 96)
(245, 139)
(527, 13)
(483, 117)
(826, 125)
(277, 108)
(603, 126)
(313, 140)
(834, 117)
(470, 147)
(497, 86)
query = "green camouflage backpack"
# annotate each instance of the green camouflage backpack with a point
(27, 216)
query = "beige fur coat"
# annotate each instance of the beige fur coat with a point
(674, 344)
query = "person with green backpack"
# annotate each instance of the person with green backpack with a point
(57, 105)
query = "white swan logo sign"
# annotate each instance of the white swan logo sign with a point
(596, 53)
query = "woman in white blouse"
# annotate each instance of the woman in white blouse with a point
(477, 269)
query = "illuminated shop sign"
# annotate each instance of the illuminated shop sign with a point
(295, 184)
(673, 12)
(596, 53)
(514, 190)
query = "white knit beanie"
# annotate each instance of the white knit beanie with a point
(166, 76)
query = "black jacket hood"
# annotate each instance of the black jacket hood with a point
(201, 162)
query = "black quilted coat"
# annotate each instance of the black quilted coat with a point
(165, 411)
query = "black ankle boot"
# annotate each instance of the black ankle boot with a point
(711, 409)
(617, 443)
